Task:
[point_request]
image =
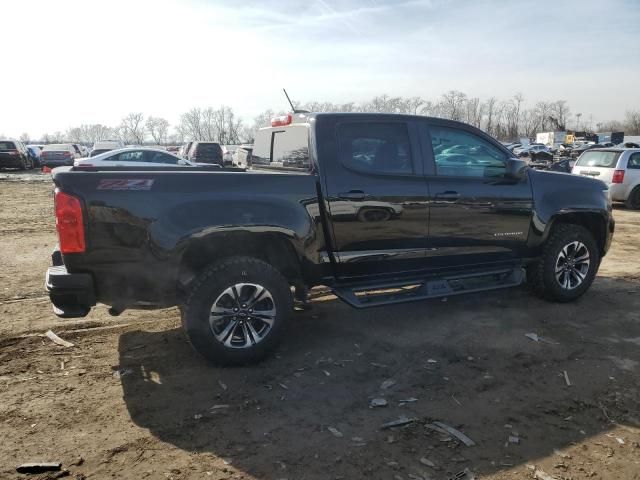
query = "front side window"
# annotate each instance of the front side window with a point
(379, 148)
(459, 153)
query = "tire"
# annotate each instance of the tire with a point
(557, 276)
(243, 332)
(633, 200)
(23, 165)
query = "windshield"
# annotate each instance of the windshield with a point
(598, 159)
(7, 146)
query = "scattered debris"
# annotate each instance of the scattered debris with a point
(39, 467)
(566, 378)
(398, 423)
(407, 400)
(378, 365)
(282, 385)
(219, 407)
(122, 372)
(431, 360)
(387, 384)
(514, 439)
(455, 400)
(378, 402)
(222, 385)
(335, 432)
(532, 336)
(561, 454)
(541, 475)
(427, 462)
(620, 441)
(508, 425)
(466, 474)
(357, 439)
(197, 416)
(326, 373)
(57, 340)
(77, 462)
(444, 428)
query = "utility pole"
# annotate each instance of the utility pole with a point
(578, 115)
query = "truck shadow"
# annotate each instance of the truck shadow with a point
(466, 362)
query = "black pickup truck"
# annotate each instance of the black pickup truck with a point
(381, 208)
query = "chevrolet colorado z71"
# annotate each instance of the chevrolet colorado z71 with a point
(381, 208)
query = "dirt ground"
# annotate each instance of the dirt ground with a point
(134, 401)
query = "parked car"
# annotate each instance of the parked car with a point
(58, 154)
(13, 154)
(78, 150)
(527, 150)
(618, 168)
(206, 152)
(132, 157)
(228, 247)
(184, 149)
(34, 153)
(580, 149)
(105, 146)
(242, 156)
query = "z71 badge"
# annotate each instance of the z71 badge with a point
(126, 184)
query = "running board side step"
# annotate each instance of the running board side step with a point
(388, 293)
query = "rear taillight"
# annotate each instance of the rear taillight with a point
(69, 223)
(15, 152)
(618, 176)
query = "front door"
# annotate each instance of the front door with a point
(477, 215)
(377, 196)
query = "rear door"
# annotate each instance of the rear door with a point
(477, 215)
(377, 197)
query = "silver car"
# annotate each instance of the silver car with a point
(618, 168)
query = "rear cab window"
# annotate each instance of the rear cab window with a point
(598, 159)
(282, 147)
(7, 146)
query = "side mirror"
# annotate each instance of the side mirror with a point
(516, 168)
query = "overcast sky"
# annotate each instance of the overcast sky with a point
(71, 62)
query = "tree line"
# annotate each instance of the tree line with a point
(505, 119)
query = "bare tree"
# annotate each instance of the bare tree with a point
(452, 104)
(24, 138)
(132, 128)
(158, 128)
(632, 122)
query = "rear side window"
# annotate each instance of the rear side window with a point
(135, 156)
(380, 148)
(634, 161)
(7, 146)
(159, 157)
(460, 153)
(208, 152)
(598, 159)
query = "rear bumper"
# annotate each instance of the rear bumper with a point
(10, 162)
(56, 163)
(72, 294)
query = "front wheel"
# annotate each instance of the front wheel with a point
(568, 264)
(237, 311)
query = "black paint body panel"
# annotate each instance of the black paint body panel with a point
(138, 240)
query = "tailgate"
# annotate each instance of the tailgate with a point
(599, 173)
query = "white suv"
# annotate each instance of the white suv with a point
(618, 168)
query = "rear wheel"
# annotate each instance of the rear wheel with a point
(633, 200)
(568, 264)
(237, 311)
(23, 164)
